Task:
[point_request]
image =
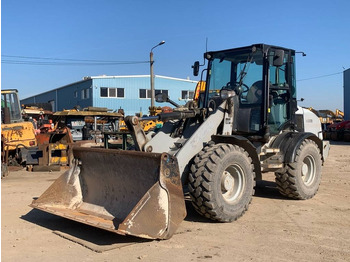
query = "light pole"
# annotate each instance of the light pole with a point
(151, 73)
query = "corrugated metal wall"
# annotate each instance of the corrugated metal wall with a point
(42, 98)
(65, 97)
(132, 103)
(347, 94)
(88, 93)
(71, 95)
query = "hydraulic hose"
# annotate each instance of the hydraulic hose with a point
(172, 115)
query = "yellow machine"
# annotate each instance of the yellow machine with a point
(39, 149)
(200, 89)
(147, 125)
(15, 133)
(330, 117)
(339, 115)
(327, 117)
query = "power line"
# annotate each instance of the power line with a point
(20, 62)
(26, 60)
(31, 60)
(319, 76)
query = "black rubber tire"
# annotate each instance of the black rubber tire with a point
(347, 137)
(334, 136)
(302, 177)
(222, 182)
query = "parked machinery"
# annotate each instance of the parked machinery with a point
(329, 120)
(338, 131)
(15, 133)
(244, 124)
(33, 143)
(347, 132)
(91, 125)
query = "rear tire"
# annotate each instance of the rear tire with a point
(302, 177)
(221, 182)
(347, 137)
(334, 136)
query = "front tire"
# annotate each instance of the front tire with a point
(302, 177)
(221, 182)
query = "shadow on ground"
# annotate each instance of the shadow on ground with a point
(100, 240)
(267, 189)
(339, 143)
(263, 189)
(90, 237)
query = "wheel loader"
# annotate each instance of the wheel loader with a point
(244, 123)
(15, 133)
(24, 143)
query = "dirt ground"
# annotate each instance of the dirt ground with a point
(273, 229)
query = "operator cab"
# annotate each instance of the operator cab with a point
(10, 107)
(263, 78)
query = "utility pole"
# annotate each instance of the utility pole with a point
(152, 74)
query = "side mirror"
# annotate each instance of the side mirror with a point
(161, 98)
(195, 68)
(278, 57)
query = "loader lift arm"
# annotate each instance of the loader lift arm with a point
(139, 136)
(218, 150)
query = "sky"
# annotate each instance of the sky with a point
(68, 31)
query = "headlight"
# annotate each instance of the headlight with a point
(226, 93)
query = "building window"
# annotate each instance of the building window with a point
(158, 91)
(104, 92)
(75, 94)
(85, 93)
(120, 92)
(111, 92)
(187, 94)
(146, 93)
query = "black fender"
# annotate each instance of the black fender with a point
(244, 143)
(289, 142)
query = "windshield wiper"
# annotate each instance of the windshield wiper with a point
(243, 73)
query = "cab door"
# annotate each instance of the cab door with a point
(281, 92)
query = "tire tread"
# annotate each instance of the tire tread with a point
(202, 176)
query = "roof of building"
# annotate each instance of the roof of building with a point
(86, 78)
(137, 76)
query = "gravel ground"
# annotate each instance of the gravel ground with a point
(273, 229)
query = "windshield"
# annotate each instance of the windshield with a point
(241, 71)
(10, 107)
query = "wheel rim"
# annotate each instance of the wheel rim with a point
(232, 183)
(308, 170)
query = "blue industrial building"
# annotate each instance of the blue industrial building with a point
(131, 93)
(347, 94)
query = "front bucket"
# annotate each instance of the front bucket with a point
(126, 192)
